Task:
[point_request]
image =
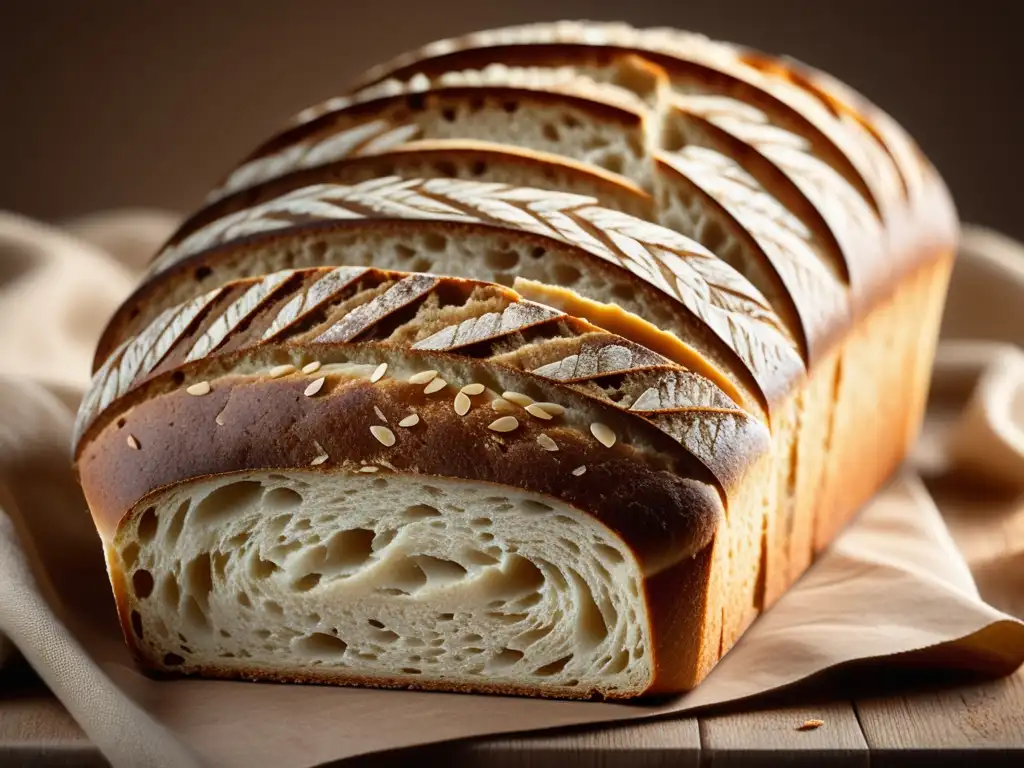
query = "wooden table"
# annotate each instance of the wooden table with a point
(940, 724)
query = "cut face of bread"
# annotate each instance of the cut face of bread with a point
(854, 137)
(390, 581)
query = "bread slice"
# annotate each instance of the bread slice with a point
(364, 549)
(721, 175)
(494, 233)
(840, 129)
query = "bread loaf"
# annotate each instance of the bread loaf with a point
(541, 362)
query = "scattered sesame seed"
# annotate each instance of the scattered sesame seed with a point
(518, 398)
(462, 403)
(319, 460)
(545, 442)
(378, 373)
(219, 418)
(504, 424)
(384, 435)
(553, 408)
(132, 442)
(580, 470)
(435, 385)
(474, 389)
(202, 388)
(380, 414)
(422, 377)
(410, 421)
(810, 725)
(604, 434)
(281, 370)
(311, 367)
(314, 386)
(502, 406)
(369, 468)
(534, 409)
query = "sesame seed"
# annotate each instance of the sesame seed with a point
(369, 468)
(422, 377)
(311, 367)
(132, 442)
(319, 460)
(504, 424)
(219, 418)
(502, 406)
(474, 389)
(410, 421)
(462, 403)
(518, 398)
(604, 434)
(810, 725)
(435, 385)
(314, 386)
(545, 442)
(534, 409)
(384, 435)
(378, 373)
(380, 414)
(281, 370)
(553, 408)
(200, 389)
(580, 470)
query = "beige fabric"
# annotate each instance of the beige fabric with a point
(893, 583)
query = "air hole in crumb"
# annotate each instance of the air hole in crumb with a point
(617, 664)
(479, 168)
(476, 557)
(531, 636)
(307, 582)
(434, 241)
(130, 554)
(421, 264)
(177, 378)
(570, 121)
(550, 132)
(375, 623)
(263, 634)
(496, 603)
(529, 505)
(486, 536)
(273, 608)
(137, 624)
(198, 578)
(566, 274)
(610, 554)
(613, 163)
(623, 291)
(572, 546)
(313, 618)
(319, 644)
(502, 260)
(121, 422)
(142, 583)
(448, 114)
(506, 658)
(220, 564)
(414, 642)
(243, 600)
(194, 617)
(480, 522)
(170, 592)
(173, 660)
(404, 252)
(147, 525)
(419, 511)
(446, 168)
(445, 616)
(227, 501)
(474, 650)
(202, 273)
(438, 571)
(278, 499)
(554, 667)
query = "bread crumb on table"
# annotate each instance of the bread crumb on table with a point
(810, 725)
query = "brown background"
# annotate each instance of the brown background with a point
(135, 102)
